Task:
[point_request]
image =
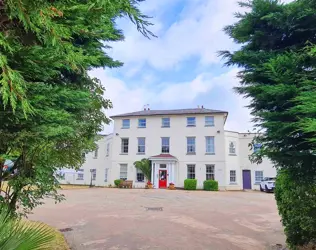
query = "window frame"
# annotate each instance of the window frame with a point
(163, 124)
(232, 152)
(234, 172)
(123, 172)
(123, 146)
(190, 124)
(190, 173)
(257, 147)
(212, 121)
(211, 146)
(262, 176)
(142, 125)
(193, 145)
(93, 173)
(139, 173)
(210, 173)
(139, 146)
(129, 124)
(165, 145)
(81, 173)
(106, 175)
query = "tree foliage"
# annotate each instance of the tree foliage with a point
(50, 109)
(277, 57)
(145, 166)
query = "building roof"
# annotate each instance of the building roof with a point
(172, 112)
(163, 156)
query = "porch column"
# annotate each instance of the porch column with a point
(152, 172)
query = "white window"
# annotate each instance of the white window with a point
(124, 146)
(107, 149)
(165, 145)
(210, 145)
(190, 121)
(123, 172)
(141, 145)
(80, 174)
(139, 175)
(191, 171)
(142, 123)
(210, 175)
(61, 176)
(125, 123)
(190, 145)
(165, 122)
(232, 176)
(258, 176)
(232, 148)
(209, 121)
(93, 173)
(96, 152)
(256, 147)
(106, 175)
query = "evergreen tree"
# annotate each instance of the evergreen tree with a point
(50, 109)
(278, 58)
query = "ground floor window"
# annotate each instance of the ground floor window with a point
(61, 176)
(232, 175)
(191, 171)
(123, 172)
(106, 175)
(80, 174)
(140, 175)
(210, 175)
(93, 173)
(258, 176)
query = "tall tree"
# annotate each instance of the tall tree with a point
(50, 109)
(278, 58)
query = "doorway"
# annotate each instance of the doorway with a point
(162, 178)
(246, 179)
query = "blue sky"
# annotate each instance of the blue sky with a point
(180, 68)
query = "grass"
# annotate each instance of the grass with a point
(70, 186)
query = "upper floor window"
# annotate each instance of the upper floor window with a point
(165, 145)
(191, 171)
(142, 123)
(209, 121)
(141, 145)
(191, 121)
(107, 149)
(125, 123)
(210, 175)
(209, 147)
(96, 152)
(124, 145)
(232, 148)
(256, 147)
(190, 145)
(165, 122)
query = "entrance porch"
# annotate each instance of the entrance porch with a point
(163, 170)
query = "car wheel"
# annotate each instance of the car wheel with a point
(261, 189)
(266, 189)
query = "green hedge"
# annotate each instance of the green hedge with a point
(190, 184)
(296, 200)
(117, 182)
(210, 185)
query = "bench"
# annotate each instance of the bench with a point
(126, 184)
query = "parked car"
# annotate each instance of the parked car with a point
(267, 184)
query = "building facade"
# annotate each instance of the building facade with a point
(181, 144)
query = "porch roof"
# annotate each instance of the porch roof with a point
(163, 157)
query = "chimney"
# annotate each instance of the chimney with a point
(202, 107)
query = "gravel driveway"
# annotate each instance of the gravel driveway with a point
(103, 218)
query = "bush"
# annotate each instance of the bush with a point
(117, 182)
(296, 200)
(210, 185)
(190, 184)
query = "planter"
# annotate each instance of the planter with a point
(150, 186)
(171, 187)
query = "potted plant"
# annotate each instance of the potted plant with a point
(171, 186)
(149, 185)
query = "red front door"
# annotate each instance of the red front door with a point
(162, 178)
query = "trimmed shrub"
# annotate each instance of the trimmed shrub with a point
(210, 185)
(190, 184)
(117, 182)
(296, 200)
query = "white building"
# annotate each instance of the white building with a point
(181, 144)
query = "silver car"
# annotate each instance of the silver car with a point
(267, 184)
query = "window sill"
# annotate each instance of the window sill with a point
(79, 179)
(256, 183)
(140, 153)
(95, 157)
(124, 128)
(165, 126)
(123, 153)
(232, 154)
(209, 153)
(141, 127)
(233, 183)
(191, 153)
(164, 153)
(209, 126)
(139, 181)
(191, 125)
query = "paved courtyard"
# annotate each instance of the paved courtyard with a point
(102, 218)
